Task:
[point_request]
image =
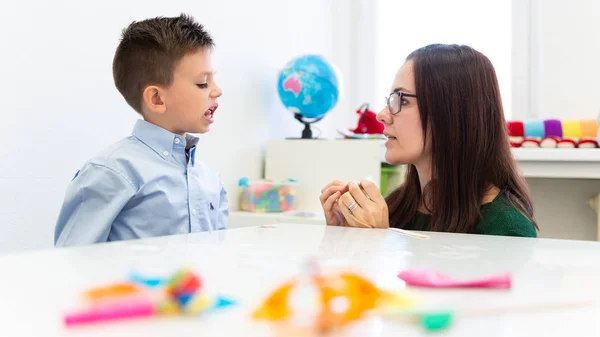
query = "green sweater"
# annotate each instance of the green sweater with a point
(498, 217)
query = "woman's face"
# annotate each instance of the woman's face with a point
(403, 128)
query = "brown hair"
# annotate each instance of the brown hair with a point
(459, 103)
(150, 50)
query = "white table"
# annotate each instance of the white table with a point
(248, 263)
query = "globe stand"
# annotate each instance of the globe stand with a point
(307, 132)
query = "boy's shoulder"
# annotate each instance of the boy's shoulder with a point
(124, 149)
(121, 157)
(146, 155)
(133, 159)
(130, 150)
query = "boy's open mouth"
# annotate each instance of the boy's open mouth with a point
(211, 111)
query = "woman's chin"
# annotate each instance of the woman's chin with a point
(394, 158)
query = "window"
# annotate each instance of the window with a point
(403, 26)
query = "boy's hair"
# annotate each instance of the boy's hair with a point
(150, 50)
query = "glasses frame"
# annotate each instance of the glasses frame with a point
(401, 96)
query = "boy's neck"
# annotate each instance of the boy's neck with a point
(164, 126)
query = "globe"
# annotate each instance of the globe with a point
(308, 87)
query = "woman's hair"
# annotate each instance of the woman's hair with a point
(463, 122)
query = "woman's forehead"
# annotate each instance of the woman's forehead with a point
(405, 78)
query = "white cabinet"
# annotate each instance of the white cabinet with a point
(315, 162)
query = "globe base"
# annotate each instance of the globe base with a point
(307, 132)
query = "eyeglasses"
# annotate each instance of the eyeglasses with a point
(395, 101)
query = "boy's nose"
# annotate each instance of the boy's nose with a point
(217, 92)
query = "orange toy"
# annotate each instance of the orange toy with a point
(276, 307)
(342, 298)
(115, 290)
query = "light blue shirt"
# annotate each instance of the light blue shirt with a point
(142, 186)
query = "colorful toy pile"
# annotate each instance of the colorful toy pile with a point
(313, 303)
(180, 294)
(553, 133)
(267, 196)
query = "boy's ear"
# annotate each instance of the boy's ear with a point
(153, 99)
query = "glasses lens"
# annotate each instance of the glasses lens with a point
(394, 104)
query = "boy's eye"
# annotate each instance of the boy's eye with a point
(404, 101)
(202, 86)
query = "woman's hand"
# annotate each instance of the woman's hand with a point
(329, 201)
(364, 206)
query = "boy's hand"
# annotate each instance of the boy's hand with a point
(330, 195)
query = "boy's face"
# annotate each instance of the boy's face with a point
(191, 99)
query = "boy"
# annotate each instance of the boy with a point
(150, 184)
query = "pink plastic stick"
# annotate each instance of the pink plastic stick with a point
(111, 313)
(433, 279)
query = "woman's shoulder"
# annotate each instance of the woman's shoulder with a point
(501, 217)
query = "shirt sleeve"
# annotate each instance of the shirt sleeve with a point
(92, 202)
(223, 208)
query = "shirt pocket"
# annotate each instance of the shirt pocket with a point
(206, 210)
(214, 214)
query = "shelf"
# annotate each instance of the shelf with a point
(556, 163)
(559, 163)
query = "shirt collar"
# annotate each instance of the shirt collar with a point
(164, 142)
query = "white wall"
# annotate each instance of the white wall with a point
(555, 59)
(567, 50)
(60, 106)
(403, 26)
(546, 55)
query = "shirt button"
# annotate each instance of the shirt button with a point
(194, 211)
(177, 141)
(166, 153)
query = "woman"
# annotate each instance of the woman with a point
(443, 118)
